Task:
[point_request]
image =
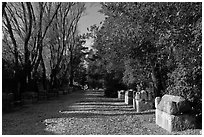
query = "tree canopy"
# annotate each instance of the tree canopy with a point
(151, 42)
(41, 43)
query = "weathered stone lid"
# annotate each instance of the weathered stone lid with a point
(173, 105)
(121, 91)
(129, 92)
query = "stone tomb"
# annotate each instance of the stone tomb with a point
(143, 101)
(129, 97)
(172, 113)
(121, 94)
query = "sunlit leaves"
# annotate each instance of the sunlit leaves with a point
(166, 34)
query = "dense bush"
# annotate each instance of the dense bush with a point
(188, 84)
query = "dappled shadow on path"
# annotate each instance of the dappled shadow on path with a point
(29, 119)
(94, 103)
(95, 114)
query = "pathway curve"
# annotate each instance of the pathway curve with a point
(81, 113)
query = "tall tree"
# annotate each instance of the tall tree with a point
(151, 33)
(47, 12)
(63, 43)
(19, 24)
(27, 31)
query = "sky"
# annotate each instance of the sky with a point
(91, 17)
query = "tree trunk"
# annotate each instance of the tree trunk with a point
(3, 7)
(155, 84)
(157, 81)
(9, 27)
(44, 73)
(54, 77)
(27, 64)
(36, 65)
(16, 68)
(71, 70)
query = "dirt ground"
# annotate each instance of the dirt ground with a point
(82, 113)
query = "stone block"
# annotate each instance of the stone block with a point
(126, 97)
(130, 101)
(137, 95)
(157, 100)
(129, 97)
(121, 94)
(142, 105)
(144, 95)
(173, 105)
(174, 122)
(130, 92)
(134, 103)
(137, 103)
(150, 95)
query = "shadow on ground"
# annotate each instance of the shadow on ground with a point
(94, 110)
(95, 104)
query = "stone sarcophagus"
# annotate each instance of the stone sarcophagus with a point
(121, 94)
(172, 113)
(142, 101)
(129, 97)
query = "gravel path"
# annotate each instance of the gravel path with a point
(82, 113)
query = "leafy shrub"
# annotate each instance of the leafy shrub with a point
(188, 84)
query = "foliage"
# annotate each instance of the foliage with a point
(181, 83)
(94, 74)
(158, 42)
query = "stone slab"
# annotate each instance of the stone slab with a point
(137, 95)
(141, 105)
(173, 105)
(174, 123)
(144, 95)
(157, 101)
(130, 101)
(121, 94)
(129, 97)
(129, 93)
